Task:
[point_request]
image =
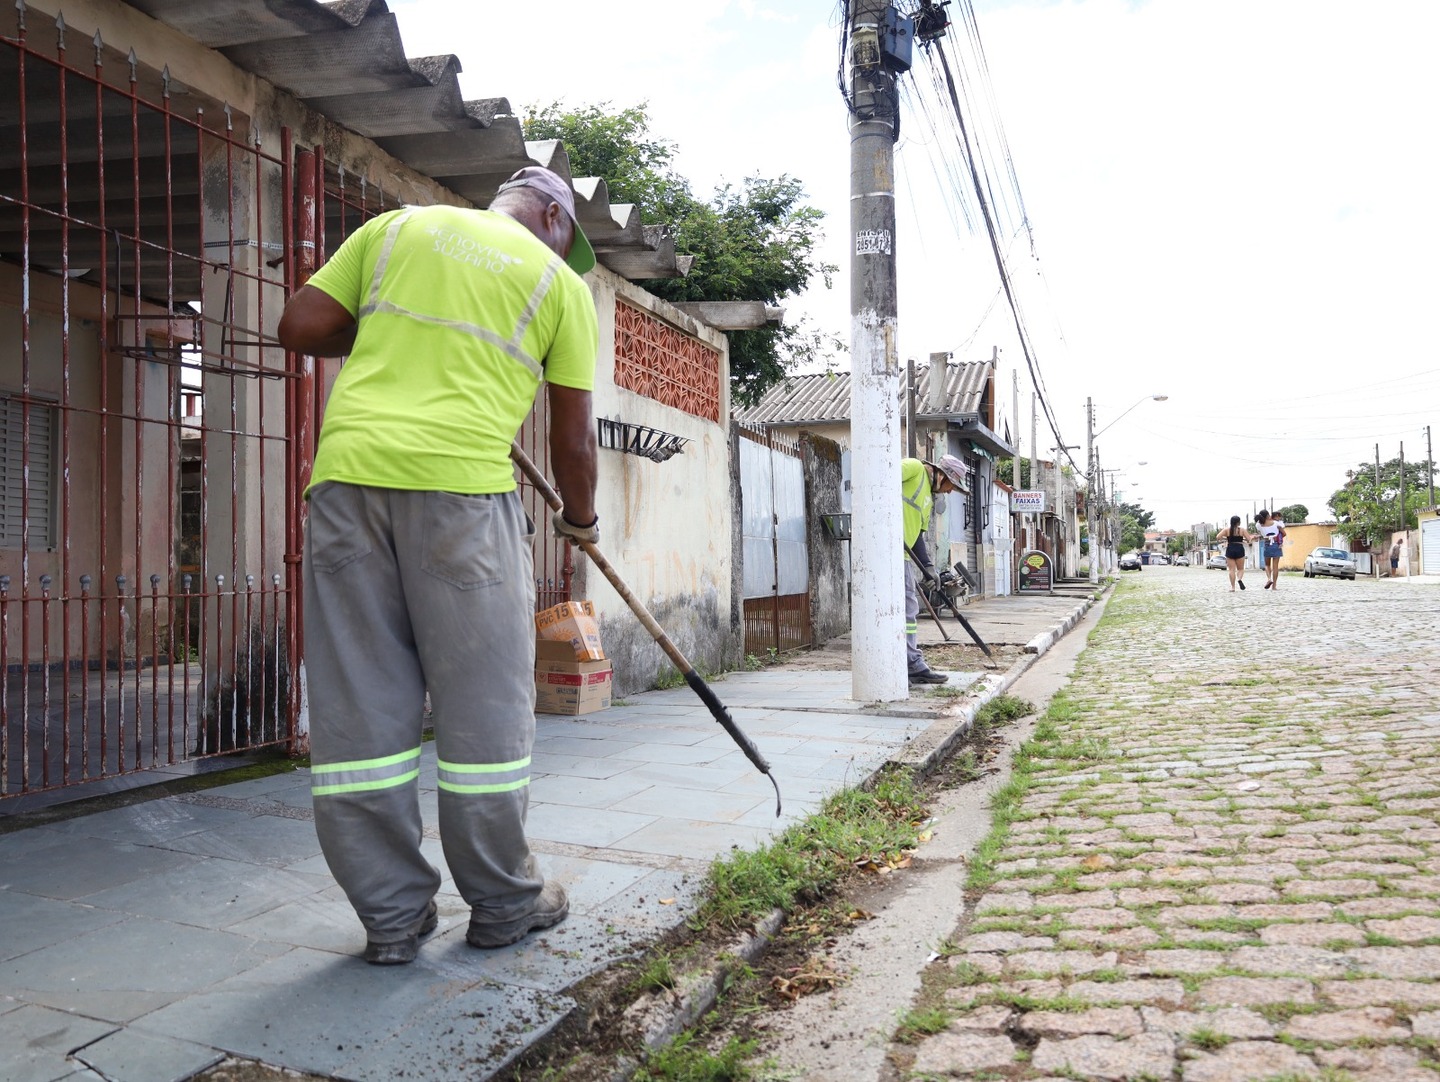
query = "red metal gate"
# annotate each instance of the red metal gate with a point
(147, 518)
(154, 437)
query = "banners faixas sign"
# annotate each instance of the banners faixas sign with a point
(1032, 501)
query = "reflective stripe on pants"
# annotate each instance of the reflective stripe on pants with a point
(914, 660)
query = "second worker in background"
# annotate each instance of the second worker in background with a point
(920, 482)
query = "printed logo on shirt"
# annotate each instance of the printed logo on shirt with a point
(465, 250)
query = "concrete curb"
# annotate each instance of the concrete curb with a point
(705, 985)
(930, 754)
(1042, 642)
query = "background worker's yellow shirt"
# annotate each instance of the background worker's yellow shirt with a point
(917, 497)
(461, 314)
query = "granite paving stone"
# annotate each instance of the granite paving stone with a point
(1291, 888)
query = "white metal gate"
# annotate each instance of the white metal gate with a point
(1430, 547)
(775, 577)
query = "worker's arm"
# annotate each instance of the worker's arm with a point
(923, 562)
(316, 323)
(573, 452)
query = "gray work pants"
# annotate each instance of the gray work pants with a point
(407, 592)
(914, 659)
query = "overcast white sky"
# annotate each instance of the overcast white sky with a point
(1233, 203)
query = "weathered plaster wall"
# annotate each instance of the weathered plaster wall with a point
(829, 589)
(666, 527)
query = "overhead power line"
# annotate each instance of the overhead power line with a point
(983, 191)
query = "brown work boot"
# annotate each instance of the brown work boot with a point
(402, 951)
(552, 905)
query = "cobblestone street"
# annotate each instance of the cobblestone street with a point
(1223, 856)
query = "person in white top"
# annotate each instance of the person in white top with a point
(1272, 542)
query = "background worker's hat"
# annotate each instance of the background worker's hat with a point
(582, 257)
(955, 470)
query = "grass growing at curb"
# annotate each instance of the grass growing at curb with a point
(881, 823)
(683, 1060)
(1005, 804)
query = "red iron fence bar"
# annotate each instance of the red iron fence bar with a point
(147, 428)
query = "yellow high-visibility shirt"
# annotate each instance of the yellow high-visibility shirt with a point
(461, 314)
(915, 490)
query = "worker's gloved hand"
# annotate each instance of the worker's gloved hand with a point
(928, 578)
(565, 530)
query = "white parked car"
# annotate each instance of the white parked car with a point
(1328, 561)
(1180, 561)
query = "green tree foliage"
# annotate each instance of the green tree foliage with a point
(1132, 533)
(1293, 513)
(1143, 518)
(1367, 511)
(1005, 470)
(1181, 542)
(757, 241)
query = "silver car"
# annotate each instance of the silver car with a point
(1327, 561)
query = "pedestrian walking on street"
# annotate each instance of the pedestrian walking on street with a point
(418, 571)
(1395, 558)
(1235, 539)
(919, 482)
(1272, 546)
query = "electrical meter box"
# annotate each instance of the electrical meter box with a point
(897, 36)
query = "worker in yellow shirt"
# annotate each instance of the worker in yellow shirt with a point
(920, 481)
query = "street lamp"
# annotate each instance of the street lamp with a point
(1090, 463)
(1147, 398)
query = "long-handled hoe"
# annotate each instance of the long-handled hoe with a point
(696, 682)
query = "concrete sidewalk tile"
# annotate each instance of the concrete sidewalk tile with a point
(581, 766)
(572, 745)
(655, 902)
(718, 776)
(478, 1035)
(129, 1056)
(692, 804)
(701, 840)
(36, 1042)
(324, 921)
(270, 840)
(82, 866)
(596, 827)
(32, 923)
(211, 893)
(690, 754)
(585, 792)
(793, 809)
(153, 822)
(546, 961)
(308, 1010)
(123, 971)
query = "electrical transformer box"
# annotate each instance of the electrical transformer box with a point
(897, 37)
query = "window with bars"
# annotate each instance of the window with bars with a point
(41, 463)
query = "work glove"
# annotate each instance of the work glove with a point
(565, 530)
(928, 578)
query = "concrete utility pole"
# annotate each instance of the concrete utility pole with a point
(1015, 415)
(877, 611)
(1403, 516)
(1430, 465)
(911, 440)
(1379, 508)
(1090, 491)
(1061, 511)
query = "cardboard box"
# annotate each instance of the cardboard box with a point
(566, 686)
(572, 622)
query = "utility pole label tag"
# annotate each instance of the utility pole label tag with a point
(872, 242)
